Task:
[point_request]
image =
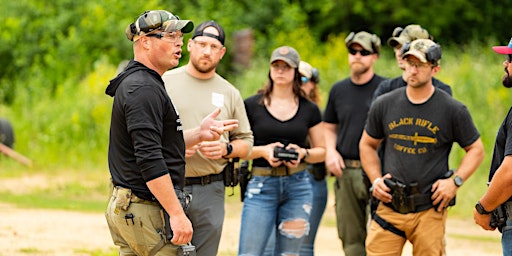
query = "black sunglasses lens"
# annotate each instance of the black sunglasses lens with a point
(362, 52)
(365, 53)
(509, 58)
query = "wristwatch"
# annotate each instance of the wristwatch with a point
(229, 149)
(480, 209)
(458, 181)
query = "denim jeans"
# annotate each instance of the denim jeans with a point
(271, 203)
(319, 202)
(506, 239)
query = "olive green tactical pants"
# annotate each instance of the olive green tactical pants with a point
(352, 210)
(137, 235)
(425, 230)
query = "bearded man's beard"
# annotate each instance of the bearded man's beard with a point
(507, 80)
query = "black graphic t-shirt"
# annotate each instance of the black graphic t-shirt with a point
(419, 137)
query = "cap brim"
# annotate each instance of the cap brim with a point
(288, 61)
(502, 49)
(366, 45)
(417, 54)
(186, 26)
(394, 42)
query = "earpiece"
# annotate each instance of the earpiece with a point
(433, 54)
(397, 31)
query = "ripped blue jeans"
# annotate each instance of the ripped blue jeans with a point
(276, 202)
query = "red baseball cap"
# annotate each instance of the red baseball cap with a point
(504, 49)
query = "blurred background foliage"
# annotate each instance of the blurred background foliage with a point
(58, 56)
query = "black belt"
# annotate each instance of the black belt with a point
(204, 180)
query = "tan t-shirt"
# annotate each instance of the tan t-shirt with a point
(195, 99)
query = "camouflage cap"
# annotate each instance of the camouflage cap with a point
(369, 42)
(157, 20)
(507, 49)
(426, 50)
(305, 69)
(408, 34)
(286, 54)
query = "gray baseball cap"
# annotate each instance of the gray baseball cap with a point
(287, 54)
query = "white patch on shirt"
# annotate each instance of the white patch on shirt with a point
(217, 99)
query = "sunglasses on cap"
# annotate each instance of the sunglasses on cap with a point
(362, 52)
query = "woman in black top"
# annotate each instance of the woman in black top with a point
(279, 194)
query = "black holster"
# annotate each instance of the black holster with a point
(401, 201)
(499, 217)
(185, 200)
(244, 177)
(407, 198)
(231, 177)
(318, 171)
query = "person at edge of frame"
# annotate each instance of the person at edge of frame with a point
(146, 154)
(196, 89)
(420, 124)
(279, 197)
(344, 119)
(499, 194)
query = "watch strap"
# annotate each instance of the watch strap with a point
(480, 209)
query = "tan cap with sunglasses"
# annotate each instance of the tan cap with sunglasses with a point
(369, 42)
(157, 20)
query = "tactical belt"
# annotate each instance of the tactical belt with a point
(134, 198)
(277, 171)
(204, 180)
(351, 163)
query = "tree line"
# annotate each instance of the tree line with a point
(47, 44)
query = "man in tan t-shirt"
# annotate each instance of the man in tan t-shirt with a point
(196, 89)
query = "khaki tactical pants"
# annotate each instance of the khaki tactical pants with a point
(135, 226)
(425, 230)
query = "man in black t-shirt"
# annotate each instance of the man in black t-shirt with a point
(420, 123)
(499, 193)
(345, 114)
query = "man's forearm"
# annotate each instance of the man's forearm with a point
(163, 190)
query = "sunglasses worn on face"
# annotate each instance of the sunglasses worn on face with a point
(362, 52)
(304, 79)
(171, 37)
(509, 58)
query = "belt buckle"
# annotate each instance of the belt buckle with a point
(205, 180)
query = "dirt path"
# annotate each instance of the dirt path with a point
(54, 232)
